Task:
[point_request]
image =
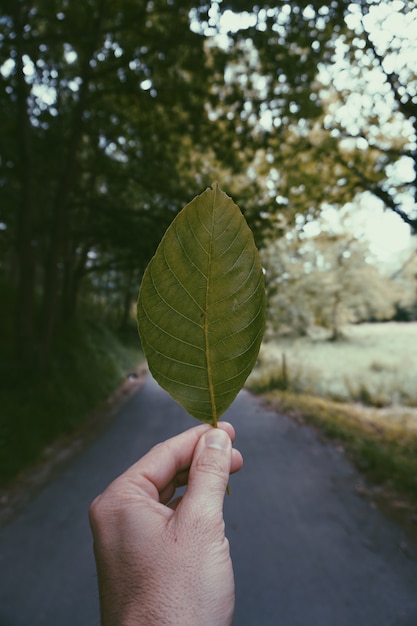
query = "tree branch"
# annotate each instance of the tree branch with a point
(382, 194)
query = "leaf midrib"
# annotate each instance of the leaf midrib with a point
(206, 323)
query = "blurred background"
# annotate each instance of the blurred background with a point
(116, 114)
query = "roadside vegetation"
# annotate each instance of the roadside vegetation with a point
(359, 391)
(88, 363)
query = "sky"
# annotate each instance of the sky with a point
(388, 235)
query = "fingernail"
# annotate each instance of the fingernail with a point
(218, 439)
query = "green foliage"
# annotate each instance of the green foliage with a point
(201, 307)
(335, 101)
(97, 100)
(88, 363)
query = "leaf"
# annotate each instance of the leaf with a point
(201, 307)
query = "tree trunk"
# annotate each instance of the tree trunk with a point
(25, 258)
(61, 206)
(74, 273)
(127, 302)
(335, 318)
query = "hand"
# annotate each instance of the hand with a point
(161, 564)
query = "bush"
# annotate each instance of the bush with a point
(88, 363)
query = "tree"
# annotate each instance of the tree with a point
(97, 96)
(267, 90)
(406, 277)
(117, 113)
(329, 92)
(327, 281)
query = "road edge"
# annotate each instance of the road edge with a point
(56, 456)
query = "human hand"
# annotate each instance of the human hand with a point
(162, 562)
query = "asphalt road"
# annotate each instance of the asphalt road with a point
(307, 549)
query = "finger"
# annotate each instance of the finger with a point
(155, 471)
(208, 478)
(174, 503)
(237, 461)
(166, 494)
(181, 479)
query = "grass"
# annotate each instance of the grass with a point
(360, 392)
(88, 363)
(376, 365)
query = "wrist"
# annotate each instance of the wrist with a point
(156, 612)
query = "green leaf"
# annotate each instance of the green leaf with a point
(201, 307)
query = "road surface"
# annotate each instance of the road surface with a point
(307, 549)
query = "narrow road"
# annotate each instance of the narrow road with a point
(307, 550)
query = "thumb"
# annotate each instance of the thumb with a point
(208, 476)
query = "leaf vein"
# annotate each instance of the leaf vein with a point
(180, 281)
(169, 305)
(181, 383)
(168, 334)
(189, 259)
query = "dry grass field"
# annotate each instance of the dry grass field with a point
(375, 365)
